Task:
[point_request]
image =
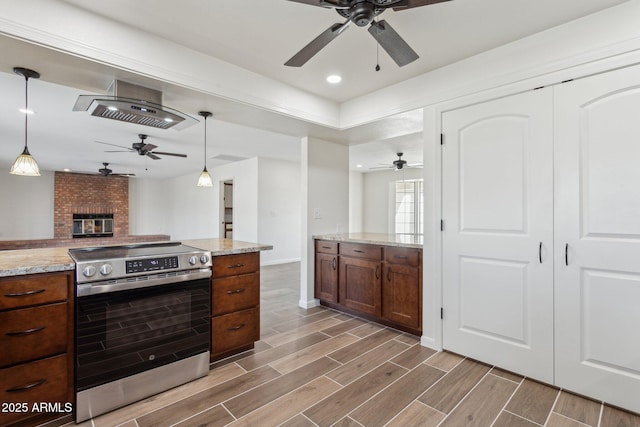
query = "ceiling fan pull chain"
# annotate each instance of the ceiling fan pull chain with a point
(377, 51)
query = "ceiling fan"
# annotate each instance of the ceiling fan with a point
(142, 148)
(399, 164)
(363, 13)
(105, 171)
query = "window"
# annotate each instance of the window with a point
(408, 207)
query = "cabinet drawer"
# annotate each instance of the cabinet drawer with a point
(326, 247)
(406, 256)
(235, 293)
(361, 250)
(235, 330)
(31, 333)
(35, 289)
(41, 381)
(231, 265)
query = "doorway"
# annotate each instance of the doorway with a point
(226, 209)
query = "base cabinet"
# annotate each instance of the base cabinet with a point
(36, 342)
(381, 283)
(235, 305)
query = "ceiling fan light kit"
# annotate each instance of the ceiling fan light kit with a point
(363, 13)
(204, 180)
(25, 164)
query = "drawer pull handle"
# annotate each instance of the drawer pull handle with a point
(24, 294)
(235, 328)
(235, 265)
(358, 251)
(377, 271)
(327, 247)
(27, 387)
(235, 291)
(401, 256)
(27, 332)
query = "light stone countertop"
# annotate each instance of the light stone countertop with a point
(45, 260)
(400, 240)
(28, 261)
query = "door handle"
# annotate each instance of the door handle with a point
(377, 271)
(333, 263)
(388, 274)
(566, 254)
(540, 252)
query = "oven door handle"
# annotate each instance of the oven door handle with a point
(138, 282)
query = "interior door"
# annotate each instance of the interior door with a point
(498, 232)
(597, 295)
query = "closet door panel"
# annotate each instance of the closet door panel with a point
(597, 288)
(498, 236)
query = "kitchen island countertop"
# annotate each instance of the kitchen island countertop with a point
(400, 240)
(46, 260)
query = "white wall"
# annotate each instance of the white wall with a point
(27, 206)
(378, 200)
(279, 210)
(325, 190)
(266, 206)
(356, 213)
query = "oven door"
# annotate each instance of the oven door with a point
(120, 334)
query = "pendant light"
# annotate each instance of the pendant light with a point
(25, 164)
(204, 180)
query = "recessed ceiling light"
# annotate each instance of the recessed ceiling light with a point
(358, 166)
(23, 111)
(334, 79)
(66, 170)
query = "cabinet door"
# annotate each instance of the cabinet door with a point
(401, 295)
(597, 263)
(360, 284)
(497, 172)
(326, 277)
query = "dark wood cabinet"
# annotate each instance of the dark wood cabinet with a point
(381, 283)
(235, 304)
(401, 289)
(359, 284)
(326, 271)
(36, 338)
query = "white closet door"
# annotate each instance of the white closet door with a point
(597, 295)
(498, 236)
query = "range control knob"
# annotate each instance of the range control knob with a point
(106, 269)
(204, 259)
(88, 271)
(193, 260)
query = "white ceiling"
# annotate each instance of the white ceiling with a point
(258, 35)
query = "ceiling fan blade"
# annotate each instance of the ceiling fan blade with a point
(122, 174)
(409, 4)
(117, 151)
(325, 3)
(114, 145)
(168, 154)
(392, 43)
(153, 156)
(148, 147)
(316, 45)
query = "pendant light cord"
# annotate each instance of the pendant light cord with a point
(205, 142)
(26, 109)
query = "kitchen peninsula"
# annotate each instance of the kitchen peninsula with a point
(372, 275)
(37, 304)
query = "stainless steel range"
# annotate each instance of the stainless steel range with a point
(142, 322)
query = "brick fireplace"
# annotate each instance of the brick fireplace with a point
(90, 194)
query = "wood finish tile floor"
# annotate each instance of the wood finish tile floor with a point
(319, 367)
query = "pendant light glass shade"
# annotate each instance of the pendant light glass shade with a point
(204, 180)
(25, 164)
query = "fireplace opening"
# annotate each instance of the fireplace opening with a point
(92, 225)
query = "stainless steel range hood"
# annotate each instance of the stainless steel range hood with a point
(130, 103)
